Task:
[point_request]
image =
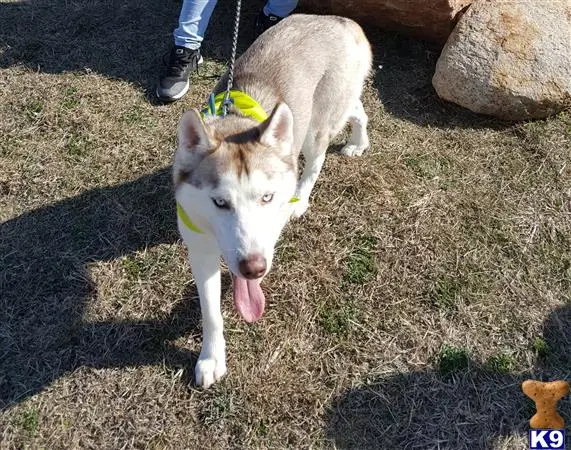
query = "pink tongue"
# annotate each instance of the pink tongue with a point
(248, 298)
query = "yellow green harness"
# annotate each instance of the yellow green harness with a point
(245, 104)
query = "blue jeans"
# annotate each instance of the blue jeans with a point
(195, 15)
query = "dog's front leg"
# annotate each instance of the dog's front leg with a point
(205, 265)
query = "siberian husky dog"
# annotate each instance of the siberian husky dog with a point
(236, 176)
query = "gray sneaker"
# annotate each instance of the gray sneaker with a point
(174, 82)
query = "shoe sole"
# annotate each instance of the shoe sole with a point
(181, 93)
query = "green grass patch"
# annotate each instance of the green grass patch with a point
(452, 360)
(137, 117)
(361, 264)
(34, 110)
(221, 407)
(428, 166)
(77, 145)
(541, 348)
(444, 293)
(137, 265)
(502, 363)
(70, 98)
(337, 319)
(147, 265)
(262, 428)
(29, 420)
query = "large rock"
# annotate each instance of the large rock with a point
(425, 19)
(510, 59)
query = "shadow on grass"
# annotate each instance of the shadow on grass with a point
(468, 409)
(44, 287)
(403, 79)
(119, 39)
(128, 39)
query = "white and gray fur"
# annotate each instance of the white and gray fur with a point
(316, 66)
(309, 72)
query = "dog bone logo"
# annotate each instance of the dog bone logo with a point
(546, 396)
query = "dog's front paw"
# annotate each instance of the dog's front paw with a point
(209, 369)
(299, 208)
(353, 150)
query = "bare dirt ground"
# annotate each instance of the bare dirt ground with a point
(427, 280)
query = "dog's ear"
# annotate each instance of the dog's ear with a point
(193, 135)
(278, 128)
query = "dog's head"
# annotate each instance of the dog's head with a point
(237, 177)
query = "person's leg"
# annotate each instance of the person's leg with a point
(193, 21)
(273, 12)
(280, 8)
(185, 55)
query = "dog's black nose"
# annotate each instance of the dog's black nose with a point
(254, 266)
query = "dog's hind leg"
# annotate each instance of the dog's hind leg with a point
(314, 149)
(359, 141)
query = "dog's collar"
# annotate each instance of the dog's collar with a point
(191, 226)
(245, 104)
(186, 220)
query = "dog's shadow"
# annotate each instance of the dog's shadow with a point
(470, 409)
(44, 287)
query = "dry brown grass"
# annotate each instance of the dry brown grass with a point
(428, 279)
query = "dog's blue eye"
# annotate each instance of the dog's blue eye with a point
(267, 198)
(220, 203)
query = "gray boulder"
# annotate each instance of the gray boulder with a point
(509, 59)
